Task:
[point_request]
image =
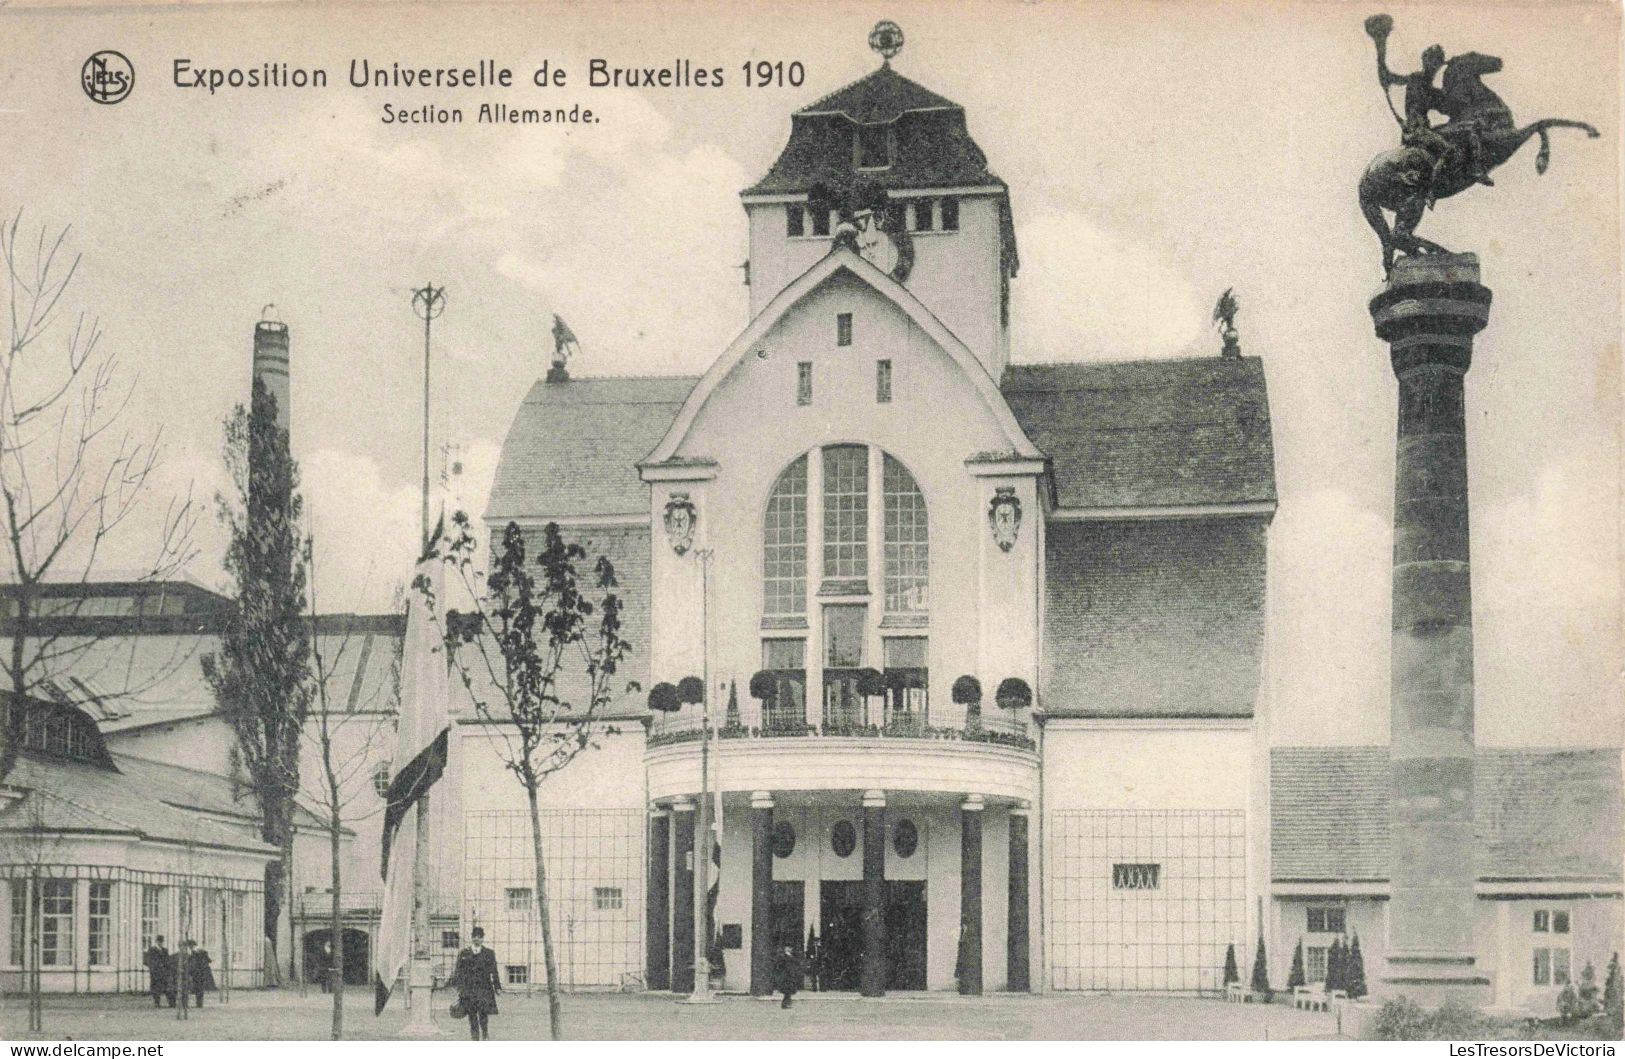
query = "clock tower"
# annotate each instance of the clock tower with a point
(888, 167)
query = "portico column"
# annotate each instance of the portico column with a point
(658, 912)
(873, 980)
(761, 893)
(1019, 972)
(970, 896)
(682, 897)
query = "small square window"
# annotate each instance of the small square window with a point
(804, 382)
(1560, 922)
(518, 898)
(873, 147)
(795, 220)
(449, 939)
(924, 215)
(605, 898)
(950, 215)
(883, 382)
(1543, 921)
(843, 329)
(1326, 921)
(518, 974)
(820, 219)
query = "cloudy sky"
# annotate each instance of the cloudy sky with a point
(1156, 154)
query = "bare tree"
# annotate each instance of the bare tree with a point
(70, 476)
(532, 643)
(343, 741)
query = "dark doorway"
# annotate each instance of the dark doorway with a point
(789, 915)
(905, 935)
(357, 955)
(841, 937)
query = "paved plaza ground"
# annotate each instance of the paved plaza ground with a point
(285, 1015)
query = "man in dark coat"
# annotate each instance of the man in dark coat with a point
(788, 970)
(475, 977)
(157, 960)
(199, 976)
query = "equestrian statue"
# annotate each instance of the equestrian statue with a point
(1432, 161)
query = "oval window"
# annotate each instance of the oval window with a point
(843, 839)
(784, 839)
(905, 839)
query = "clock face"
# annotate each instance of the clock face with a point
(877, 247)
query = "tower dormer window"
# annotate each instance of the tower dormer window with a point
(872, 148)
(925, 215)
(795, 220)
(950, 214)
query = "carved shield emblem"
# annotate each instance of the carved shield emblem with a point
(1004, 515)
(681, 517)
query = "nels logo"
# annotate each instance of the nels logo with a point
(107, 77)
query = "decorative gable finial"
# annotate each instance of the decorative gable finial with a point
(887, 39)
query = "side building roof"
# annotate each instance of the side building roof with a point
(573, 448)
(1542, 814)
(1149, 432)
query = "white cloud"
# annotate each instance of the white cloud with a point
(1088, 293)
(365, 531)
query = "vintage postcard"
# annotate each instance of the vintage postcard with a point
(853, 520)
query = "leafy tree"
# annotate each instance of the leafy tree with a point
(532, 643)
(1613, 995)
(1334, 966)
(1295, 977)
(71, 476)
(1589, 997)
(1231, 972)
(261, 675)
(1261, 971)
(1354, 971)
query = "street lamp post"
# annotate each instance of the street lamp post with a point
(703, 840)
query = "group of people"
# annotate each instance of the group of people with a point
(164, 972)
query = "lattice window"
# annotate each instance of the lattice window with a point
(150, 896)
(19, 919)
(1169, 938)
(586, 851)
(786, 659)
(784, 543)
(1315, 959)
(907, 542)
(101, 923)
(846, 511)
(1327, 921)
(56, 922)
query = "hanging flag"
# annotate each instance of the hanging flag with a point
(421, 734)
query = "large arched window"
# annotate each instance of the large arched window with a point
(907, 543)
(784, 544)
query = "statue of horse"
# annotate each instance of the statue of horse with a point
(1398, 180)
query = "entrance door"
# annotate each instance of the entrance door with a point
(789, 915)
(905, 935)
(840, 948)
(841, 944)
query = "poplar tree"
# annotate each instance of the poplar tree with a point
(261, 676)
(1295, 977)
(1261, 971)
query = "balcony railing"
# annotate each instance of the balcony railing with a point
(846, 714)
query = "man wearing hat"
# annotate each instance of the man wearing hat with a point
(477, 984)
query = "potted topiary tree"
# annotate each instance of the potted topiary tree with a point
(1295, 977)
(691, 690)
(1231, 972)
(967, 692)
(1013, 694)
(663, 698)
(1261, 974)
(1354, 971)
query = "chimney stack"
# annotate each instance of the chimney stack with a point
(271, 362)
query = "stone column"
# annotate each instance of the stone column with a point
(658, 911)
(872, 980)
(761, 893)
(1428, 313)
(682, 897)
(1019, 972)
(969, 963)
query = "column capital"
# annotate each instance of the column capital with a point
(683, 805)
(1022, 808)
(761, 799)
(874, 799)
(658, 810)
(973, 803)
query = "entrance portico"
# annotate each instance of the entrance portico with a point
(891, 890)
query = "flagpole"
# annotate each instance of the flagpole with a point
(428, 302)
(703, 838)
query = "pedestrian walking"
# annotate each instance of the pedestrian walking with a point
(788, 971)
(475, 977)
(157, 961)
(199, 976)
